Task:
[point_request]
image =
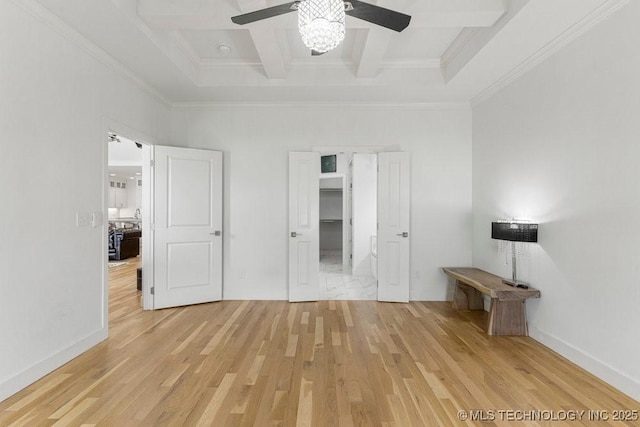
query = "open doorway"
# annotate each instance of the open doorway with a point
(348, 227)
(180, 198)
(391, 245)
(124, 189)
(332, 207)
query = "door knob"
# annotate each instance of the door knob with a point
(404, 234)
(216, 233)
(294, 234)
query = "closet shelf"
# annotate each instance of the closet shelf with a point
(330, 220)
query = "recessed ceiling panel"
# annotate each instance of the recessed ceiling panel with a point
(421, 43)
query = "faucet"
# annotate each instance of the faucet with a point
(137, 214)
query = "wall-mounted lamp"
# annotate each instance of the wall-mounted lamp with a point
(514, 232)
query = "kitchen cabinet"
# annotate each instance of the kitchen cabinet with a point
(117, 194)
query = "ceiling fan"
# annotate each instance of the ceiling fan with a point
(321, 22)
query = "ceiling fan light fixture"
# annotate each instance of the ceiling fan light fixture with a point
(321, 24)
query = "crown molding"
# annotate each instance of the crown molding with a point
(44, 15)
(581, 27)
(217, 64)
(203, 106)
(416, 64)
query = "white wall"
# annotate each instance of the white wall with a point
(561, 146)
(58, 102)
(365, 202)
(331, 209)
(330, 204)
(256, 141)
(331, 235)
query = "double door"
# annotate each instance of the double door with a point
(393, 226)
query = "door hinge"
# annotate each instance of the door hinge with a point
(152, 163)
(153, 290)
(152, 226)
(351, 256)
(350, 221)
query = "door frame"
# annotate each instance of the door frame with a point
(113, 126)
(148, 188)
(364, 149)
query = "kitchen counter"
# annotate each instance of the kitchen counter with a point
(125, 222)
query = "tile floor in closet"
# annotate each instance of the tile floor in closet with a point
(337, 282)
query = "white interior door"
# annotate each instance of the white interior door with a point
(393, 226)
(304, 226)
(187, 244)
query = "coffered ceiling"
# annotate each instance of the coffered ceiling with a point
(454, 51)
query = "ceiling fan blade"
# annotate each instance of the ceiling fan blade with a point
(269, 12)
(316, 53)
(378, 15)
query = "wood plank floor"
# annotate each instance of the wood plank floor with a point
(331, 363)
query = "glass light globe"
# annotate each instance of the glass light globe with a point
(321, 23)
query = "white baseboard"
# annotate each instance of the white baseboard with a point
(615, 378)
(44, 367)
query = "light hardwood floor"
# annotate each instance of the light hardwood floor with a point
(330, 363)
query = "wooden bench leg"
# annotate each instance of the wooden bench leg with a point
(467, 298)
(507, 318)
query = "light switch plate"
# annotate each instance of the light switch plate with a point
(96, 219)
(83, 219)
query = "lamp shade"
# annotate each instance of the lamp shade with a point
(514, 231)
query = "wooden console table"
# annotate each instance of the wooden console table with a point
(507, 315)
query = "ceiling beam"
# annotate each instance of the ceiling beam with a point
(369, 51)
(267, 43)
(372, 45)
(472, 40)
